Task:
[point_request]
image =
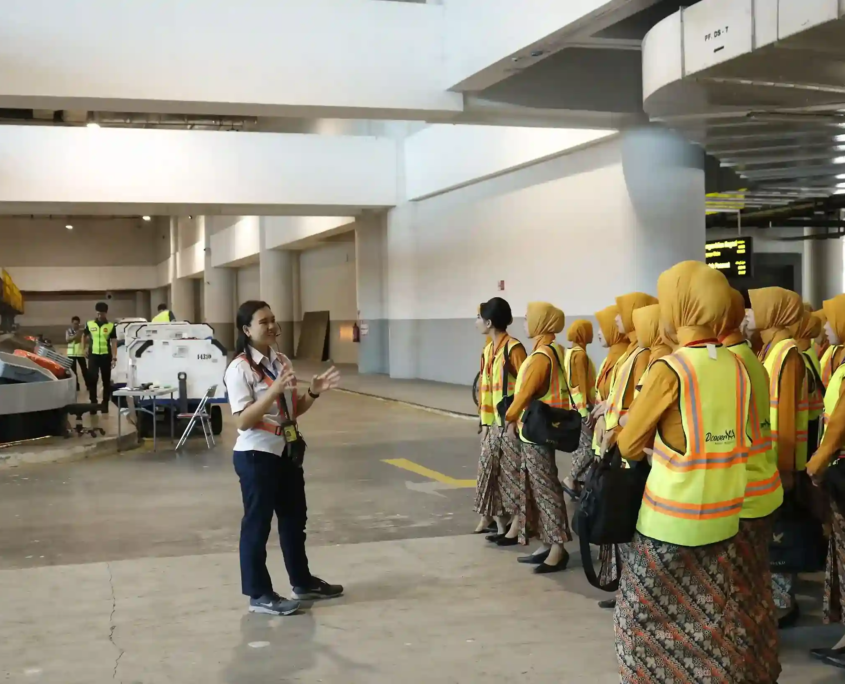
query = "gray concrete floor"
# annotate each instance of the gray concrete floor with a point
(125, 569)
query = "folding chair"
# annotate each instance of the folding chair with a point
(202, 416)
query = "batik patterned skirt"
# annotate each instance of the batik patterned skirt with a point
(834, 575)
(510, 482)
(583, 456)
(488, 499)
(757, 633)
(674, 619)
(542, 508)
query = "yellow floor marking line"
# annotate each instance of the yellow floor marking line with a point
(405, 464)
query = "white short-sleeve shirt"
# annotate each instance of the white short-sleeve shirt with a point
(245, 387)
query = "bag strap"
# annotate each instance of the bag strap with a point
(587, 562)
(565, 379)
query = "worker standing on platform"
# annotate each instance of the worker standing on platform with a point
(73, 337)
(100, 342)
(164, 315)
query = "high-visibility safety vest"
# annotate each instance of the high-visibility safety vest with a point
(696, 497)
(100, 337)
(815, 388)
(621, 379)
(580, 395)
(831, 398)
(764, 492)
(599, 397)
(774, 366)
(620, 364)
(490, 391)
(557, 395)
(161, 317)
(827, 363)
(74, 348)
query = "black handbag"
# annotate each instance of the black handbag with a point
(798, 543)
(834, 482)
(555, 427)
(608, 508)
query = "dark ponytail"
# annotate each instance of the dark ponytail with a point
(246, 312)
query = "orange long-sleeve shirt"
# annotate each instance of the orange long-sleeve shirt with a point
(791, 387)
(833, 440)
(535, 380)
(581, 374)
(613, 355)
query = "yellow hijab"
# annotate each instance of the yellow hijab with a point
(834, 309)
(607, 322)
(693, 297)
(647, 325)
(806, 330)
(580, 333)
(731, 320)
(628, 303)
(776, 310)
(544, 322)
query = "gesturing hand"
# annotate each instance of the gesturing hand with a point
(286, 380)
(326, 381)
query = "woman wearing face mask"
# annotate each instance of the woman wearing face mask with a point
(581, 375)
(774, 311)
(675, 620)
(268, 456)
(831, 450)
(542, 507)
(496, 493)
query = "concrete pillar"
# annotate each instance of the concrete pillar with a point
(276, 288)
(370, 272)
(219, 298)
(142, 304)
(296, 281)
(181, 289)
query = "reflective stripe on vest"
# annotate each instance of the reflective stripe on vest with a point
(696, 498)
(774, 366)
(764, 492)
(74, 349)
(827, 363)
(581, 399)
(619, 389)
(490, 390)
(100, 337)
(598, 376)
(558, 394)
(162, 317)
(831, 398)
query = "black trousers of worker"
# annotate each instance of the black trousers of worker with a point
(99, 365)
(271, 484)
(80, 369)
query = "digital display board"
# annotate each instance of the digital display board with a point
(731, 256)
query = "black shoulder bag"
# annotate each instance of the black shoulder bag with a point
(609, 506)
(556, 427)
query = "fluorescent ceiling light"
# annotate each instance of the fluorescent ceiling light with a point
(146, 218)
(69, 227)
(839, 160)
(93, 124)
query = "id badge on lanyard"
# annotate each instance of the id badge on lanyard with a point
(288, 426)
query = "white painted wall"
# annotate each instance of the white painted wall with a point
(235, 239)
(51, 311)
(163, 169)
(444, 156)
(258, 57)
(247, 284)
(295, 232)
(327, 283)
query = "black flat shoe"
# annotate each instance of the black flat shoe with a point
(544, 569)
(535, 559)
(822, 653)
(835, 660)
(607, 603)
(491, 528)
(507, 541)
(790, 619)
(493, 538)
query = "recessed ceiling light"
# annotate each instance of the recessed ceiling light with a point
(839, 160)
(69, 227)
(92, 124)
(146, 218)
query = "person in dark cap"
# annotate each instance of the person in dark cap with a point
(100, 343)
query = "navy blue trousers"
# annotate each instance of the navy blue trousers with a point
(271, 484)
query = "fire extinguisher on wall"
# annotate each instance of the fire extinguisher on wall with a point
(356, 333)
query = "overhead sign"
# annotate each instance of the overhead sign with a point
(732, 257)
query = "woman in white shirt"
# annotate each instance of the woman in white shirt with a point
(268, 460)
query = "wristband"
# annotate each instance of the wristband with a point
(312, 395)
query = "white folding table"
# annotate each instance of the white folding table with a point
(152, 393)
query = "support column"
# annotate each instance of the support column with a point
(142, 304)
(276, 288)
(370, 258)
(219, 297)
(181, 289)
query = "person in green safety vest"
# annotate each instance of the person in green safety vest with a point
(100, 345)
(73, 337)
(164, 315)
